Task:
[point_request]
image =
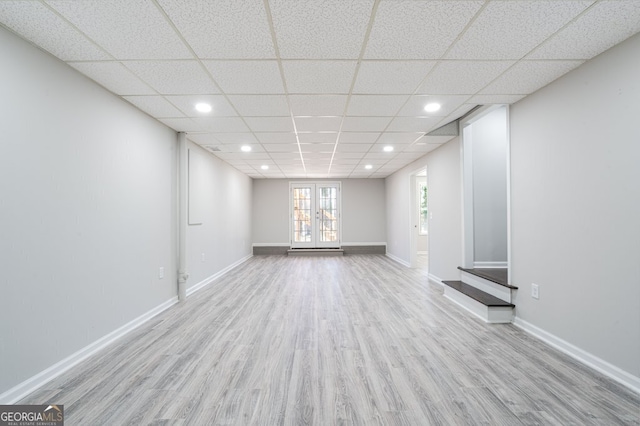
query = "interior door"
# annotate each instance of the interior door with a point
(315, 215)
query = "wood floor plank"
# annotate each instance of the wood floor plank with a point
(353, 340)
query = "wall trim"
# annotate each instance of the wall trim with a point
(30, 385)
(365, 244)
(435, 279)
(611, 371)
(494, 264)
(397, 259)
(271, 245)
(199, 286)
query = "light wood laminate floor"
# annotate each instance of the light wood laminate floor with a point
(354, 340)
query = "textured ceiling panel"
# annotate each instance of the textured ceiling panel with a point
(376, 105)
(156, 106)
(365, 124)
(462, 77)
(328, 77)
(174, 77)
(418, 29)
(329, 29)
(187, 104)
(127, 29)
(416, 104)
(510, 29)
(223, 29)
(246, 77)
(613, 22)
(528, 76)
(318, 124)
(260, 105)
(391, 77)
(310, 105)
(115, 77)
(49, 31)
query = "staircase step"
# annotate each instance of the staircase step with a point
(477, 295)
(316, 252)
(496, 275)
(485, 306)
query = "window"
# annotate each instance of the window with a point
(423, 213)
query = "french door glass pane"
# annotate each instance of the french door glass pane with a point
(328, 214)
(302, 215)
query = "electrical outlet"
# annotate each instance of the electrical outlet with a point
(161, 273)
(203, 257)
(535, 291)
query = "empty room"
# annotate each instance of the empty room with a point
(355, 212)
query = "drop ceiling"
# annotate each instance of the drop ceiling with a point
(318, 88)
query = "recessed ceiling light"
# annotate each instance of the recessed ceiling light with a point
(264, 167)
(368, 167)
(245, 148)
(203, 107)
(388, 148)
(432, 107)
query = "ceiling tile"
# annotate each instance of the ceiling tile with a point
(174, 77)
(330, 29)
(391, 77)
(416, 104)
(221, 124)
(203, 139)
(391, 138)
(613, 22)
(323, 77)
(222, 29)
(437, 140)
(276, 137)
(266, 124)
(243, 138)
(494, 99)
(318, 124)
(510, 29)
(365, 124)
(128, 29)
(353, 147)
(462, 77)
(318, 137)
(412, 124)
(37, 23)
(155, 106)
(462, 110)
(376, 105)
(114, 77)
(359, 137)
(257, 151)
(317, 104)
(417, 29)
(181, 124)
(326, 148)
(281, 147)
(246, 77)
(528, 76)
(187, 104)
(287, 157)
(261, 105)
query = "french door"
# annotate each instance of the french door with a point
(315, 215)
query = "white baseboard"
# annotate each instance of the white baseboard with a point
(20, 391)
(435, 279)
(397, 259)
(215, 276)
(480, 265)
(609, 370)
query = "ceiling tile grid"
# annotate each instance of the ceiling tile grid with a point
(317, 89)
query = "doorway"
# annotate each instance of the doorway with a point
(315, 215)
(419, 241)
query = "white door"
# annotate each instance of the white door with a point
(315, 215)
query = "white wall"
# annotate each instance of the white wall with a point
(222, 196)
(489, 153)
(363, 211)
(445, 203)
(87, 212)
(575, 151)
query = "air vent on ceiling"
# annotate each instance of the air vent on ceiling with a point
(213, 148)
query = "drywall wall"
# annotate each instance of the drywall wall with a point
(219, 231)
(363, 210)
(488, 146)
(87, 212)
(445, 203)
(576, 207)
